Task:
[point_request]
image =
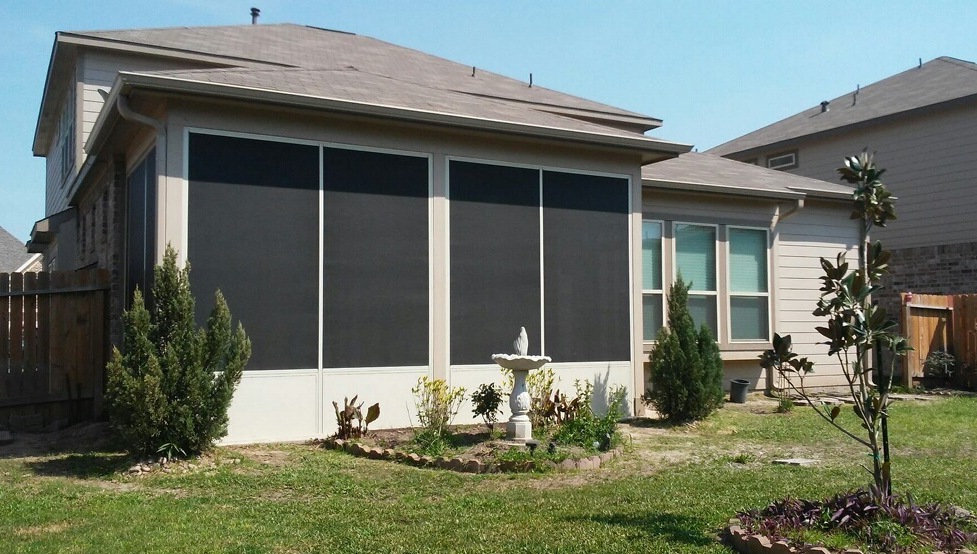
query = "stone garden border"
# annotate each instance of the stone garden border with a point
(467, 466)
(745, 543)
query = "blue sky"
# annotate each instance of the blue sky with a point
(711, 70)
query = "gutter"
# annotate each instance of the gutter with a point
(689, 186)
(652, 149)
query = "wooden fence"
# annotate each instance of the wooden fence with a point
(53, 345)
(932, 322)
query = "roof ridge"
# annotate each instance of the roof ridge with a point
(966, 64)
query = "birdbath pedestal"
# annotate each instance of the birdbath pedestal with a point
(520, 428)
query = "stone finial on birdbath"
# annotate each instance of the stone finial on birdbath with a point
(519, 428)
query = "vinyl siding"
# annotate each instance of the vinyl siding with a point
(820, 229)
(98, 71)
(930, 165)
(56, 180)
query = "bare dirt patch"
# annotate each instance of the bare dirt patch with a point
(84, 437)
(39, 530)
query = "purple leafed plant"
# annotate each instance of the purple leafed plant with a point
(884, 523)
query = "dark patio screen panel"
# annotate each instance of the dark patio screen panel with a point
(141, 227)
(586, 267)
(495, 277)
(254, 233)
(376, 299)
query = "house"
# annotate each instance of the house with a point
(373, 214)
(14, 257)
(750, 241)
(922, 125)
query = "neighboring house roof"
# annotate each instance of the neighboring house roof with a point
(13, 253)
(314, 63)
(697, 172)
(939, 81)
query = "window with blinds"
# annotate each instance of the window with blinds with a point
(653, 309)
(748, 284)
(695, 262)
(726, 268)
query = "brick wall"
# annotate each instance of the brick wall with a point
(944, 269)
(100, 222)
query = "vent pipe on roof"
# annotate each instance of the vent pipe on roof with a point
(255, 12)
(530, 80)
(920, 62)
(854, 97)
(824, 106)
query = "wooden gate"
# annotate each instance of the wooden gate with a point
(53, 346)
(933, 322)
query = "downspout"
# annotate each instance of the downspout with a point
(798, 206)
(127, 113)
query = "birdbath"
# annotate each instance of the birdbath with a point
(520, 428)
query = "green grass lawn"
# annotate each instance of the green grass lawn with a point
(672, 492)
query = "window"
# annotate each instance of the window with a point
(727, 270)
(786, 160)
(695, 261)
(651, 276)
(748, 284)
(66, 138)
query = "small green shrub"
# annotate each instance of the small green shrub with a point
(429, 442)
(487, 398)
(588, 429)
(437, 404)
(940, 364)
(171, 388)
(522, 456)
(686, 369)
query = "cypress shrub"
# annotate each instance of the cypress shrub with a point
(686, 369)
(171, 388)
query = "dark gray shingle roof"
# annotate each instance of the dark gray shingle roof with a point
(13, 252)
(710, 173)
(297, 46)
(940, 80)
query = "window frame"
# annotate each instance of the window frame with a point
(717, 269)
(729, 349)
(792, 164)
(660, 292)
(730, 294)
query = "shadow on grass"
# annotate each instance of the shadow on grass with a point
(93, 465)
(675, 528)
(650, 423)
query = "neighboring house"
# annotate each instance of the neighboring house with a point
(373, 214)
(14, 257)
(749, 240)
(922, 125)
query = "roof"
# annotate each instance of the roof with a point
(935, 82)
(699, 172)
(13, 252)
(311, 62)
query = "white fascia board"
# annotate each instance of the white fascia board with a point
(684, 186)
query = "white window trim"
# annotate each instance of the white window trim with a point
(775, 161)
(722, 294)
(661, 291)
(716, 269)
(730, 294)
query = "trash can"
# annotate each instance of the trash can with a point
(738, 389)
